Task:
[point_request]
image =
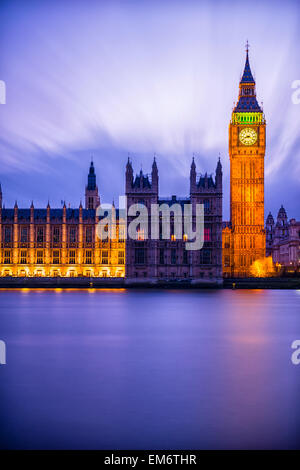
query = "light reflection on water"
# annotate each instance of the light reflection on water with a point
(149, 369)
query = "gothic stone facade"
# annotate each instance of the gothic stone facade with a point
(160, 259)
(283, 240)
(58, 242)
(63, 242)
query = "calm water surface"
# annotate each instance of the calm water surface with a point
(149, 369)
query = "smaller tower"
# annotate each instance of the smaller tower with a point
(281, 227)
(219, 175)
(141, 252)
(154, 176)
(0, 196)
(129, 176)
(48, 217)
(270, 224)
(281, 217)
(31, 212)
(92, 199)
(193, 177)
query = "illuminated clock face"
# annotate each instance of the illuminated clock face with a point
(248, 136)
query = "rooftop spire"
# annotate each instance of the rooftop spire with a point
(193, 165)
(128, 165)
(91, 177)
(154, 165)
(247, 101)
(247, 75)
(92, 169)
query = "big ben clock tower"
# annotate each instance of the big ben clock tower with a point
(244, 236)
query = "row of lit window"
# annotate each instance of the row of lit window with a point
(56, 258)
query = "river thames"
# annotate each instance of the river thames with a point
(149, 369)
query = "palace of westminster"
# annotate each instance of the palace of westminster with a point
(63, 242)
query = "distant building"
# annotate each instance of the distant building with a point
(283, 239)
(160, 259)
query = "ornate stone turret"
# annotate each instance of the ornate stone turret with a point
(142, 187)
(282, 217)
(206, 182)
(270, 222)
(281, 227)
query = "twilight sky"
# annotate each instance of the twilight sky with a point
(105, 78)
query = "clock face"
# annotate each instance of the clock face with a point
(248, 136)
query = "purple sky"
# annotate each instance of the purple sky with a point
(107, 78)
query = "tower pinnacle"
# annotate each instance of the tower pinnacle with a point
(247, 76)
(247, 102)
(92, 199)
